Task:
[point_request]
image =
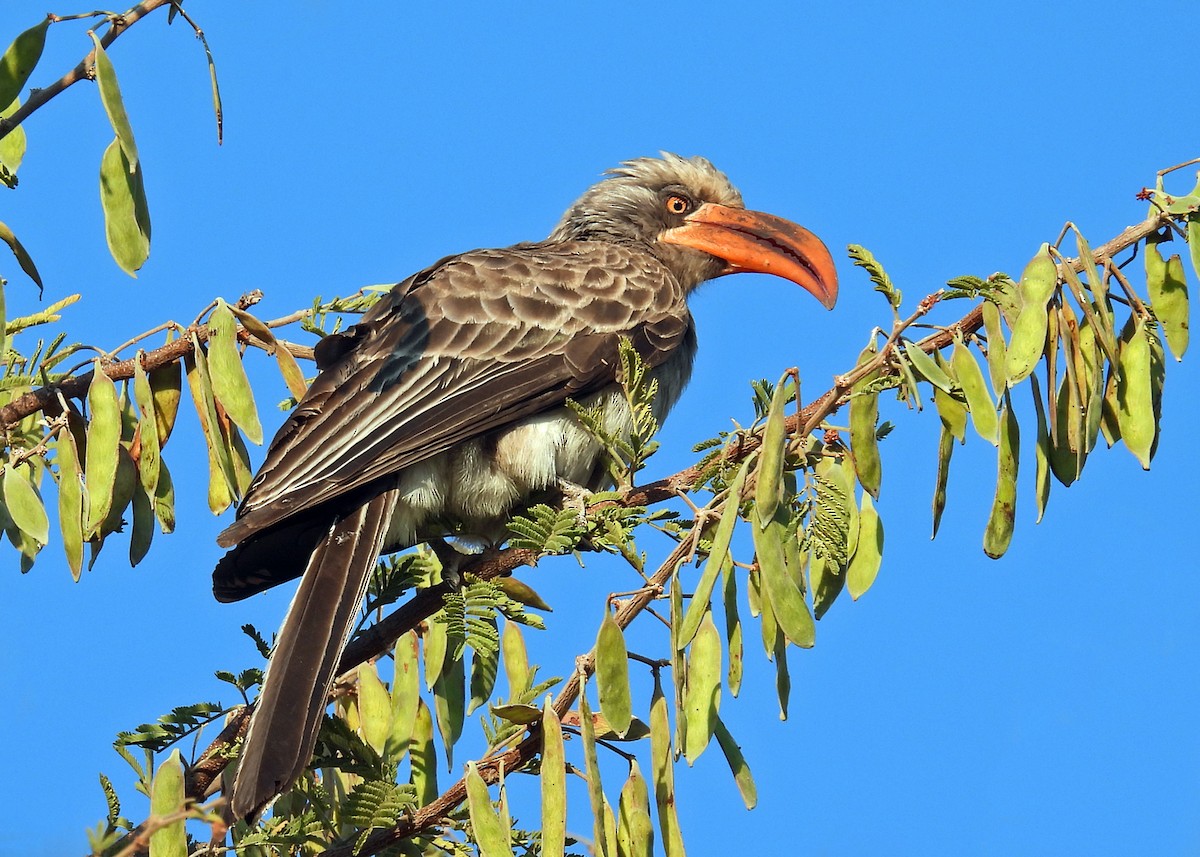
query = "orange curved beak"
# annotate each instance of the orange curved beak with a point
(752, 241)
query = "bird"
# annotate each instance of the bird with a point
(445, 409)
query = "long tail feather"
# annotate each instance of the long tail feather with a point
(287, 716)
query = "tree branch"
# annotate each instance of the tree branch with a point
(84, 71)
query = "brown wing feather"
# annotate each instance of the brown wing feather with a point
(462, 349)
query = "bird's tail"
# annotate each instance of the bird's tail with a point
(287, 716)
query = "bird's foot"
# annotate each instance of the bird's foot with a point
(575, 496)
(451, 559)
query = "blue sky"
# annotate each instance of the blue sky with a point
(1042, 704)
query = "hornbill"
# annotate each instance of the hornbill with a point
(443, 410)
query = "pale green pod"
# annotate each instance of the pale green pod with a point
(292, 374)
(230, 385)
(1168, 292)
(521, 592)
(24, 506)
(222, 481)
(867, 558)
(787, 603)
(1038, 280)
(635, 830)
(164, 500)
(166, 387)
(702, 700)
(1027, 345)
(926, 367)
(768, 627)
(103, 448)
(435, 643)
(553, 784)
(449, 704)
(612, 675)
(516, 659)
(374, 708)
(12, 152)
(996, 348)
(423, 754)
(124, 487)
(1193, 240)
(733, 630)
(663, 771)
(768, 492)
(126, 212)
(945, 450)
(167, 797)
(951, 406)
(142, 532)
(1093, 382)
(737, 765)
(783, 679)
(864, 420)
(998, 533)
(1028, 339)
(114, 106)
(20, 59)
(404, 696)
(491, 834)
(979, 401)
(1135, 405)
(149, 453)
(71, 499)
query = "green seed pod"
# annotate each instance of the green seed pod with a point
(979, 401)
(702, 699)
(1168, 291)
(769, 489)
(786, 601)
(864, 565)
(998, 534)
(491, 834)
(1042, 450)
(554, 784)
(612, 675)
(635, 830)
(230, 385)
(737, 765)
(996, 349)
(864, 419)
(449, 703)
(945, 450)
(374, 707)
(167, 797)
(103, 448)
(1135, 405)
(423, 754)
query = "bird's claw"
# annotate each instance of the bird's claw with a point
(576, 497)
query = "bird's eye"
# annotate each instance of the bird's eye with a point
(677, 204)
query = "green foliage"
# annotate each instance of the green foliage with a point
(627, 452)
(179, 723)
(863, 258)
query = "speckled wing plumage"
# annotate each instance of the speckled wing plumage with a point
(475, 343)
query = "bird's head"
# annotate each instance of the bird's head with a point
(693, 218)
